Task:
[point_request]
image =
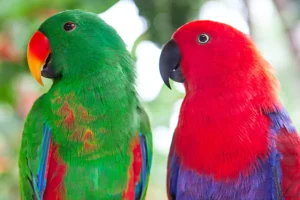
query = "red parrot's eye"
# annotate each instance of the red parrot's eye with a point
(69, 26)
(203, 38)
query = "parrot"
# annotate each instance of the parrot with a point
(234, 138)
(88, 137)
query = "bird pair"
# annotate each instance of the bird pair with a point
(88, 137)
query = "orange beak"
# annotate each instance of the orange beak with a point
(37, 52)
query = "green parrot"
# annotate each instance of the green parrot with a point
(88, 137)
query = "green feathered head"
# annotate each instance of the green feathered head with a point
(76, 45)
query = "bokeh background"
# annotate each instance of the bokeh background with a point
(145, 25)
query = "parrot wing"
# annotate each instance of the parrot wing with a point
(288, 146)
(146, 154)
(35, 141)
(172, 173)
(36, 153)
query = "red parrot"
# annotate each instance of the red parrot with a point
(234, 139)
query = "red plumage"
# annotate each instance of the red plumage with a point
(289, 147)
(214, 126)
(135, 169)
(231, 126)
(55, 174)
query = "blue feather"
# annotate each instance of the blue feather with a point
(173, 170)
(35, 189)
(139, 189)
(280, 119)
(41, 179)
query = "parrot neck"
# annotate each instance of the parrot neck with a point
(225, 132)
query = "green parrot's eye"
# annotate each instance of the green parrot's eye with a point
(69, 26)
(203, 38)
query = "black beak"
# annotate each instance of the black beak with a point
(169, 63)
(48, 70)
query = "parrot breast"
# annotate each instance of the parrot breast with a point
(218, 140)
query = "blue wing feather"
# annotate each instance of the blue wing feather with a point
(173, 169)
(41, 176)
(144, 160)
(141, 186)
(280, 119)
(281, 125)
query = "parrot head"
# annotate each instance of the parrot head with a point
(206, 53)
(73, 44)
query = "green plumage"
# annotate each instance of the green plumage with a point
(92, 110)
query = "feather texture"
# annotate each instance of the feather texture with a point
(233, 140)
(44, 163)
(96, 142)
(288, 145)
(141, 183)
(276, 177)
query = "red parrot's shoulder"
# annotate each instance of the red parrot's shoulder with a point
(287, 143)
(222, 145)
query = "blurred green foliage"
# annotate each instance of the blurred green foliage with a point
(34, 9)
(165, 16)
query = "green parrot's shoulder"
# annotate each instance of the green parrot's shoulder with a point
(31, 140)
(144, 119)
(145, 130)
(36, 110)
(145, 127)
(38, 104)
